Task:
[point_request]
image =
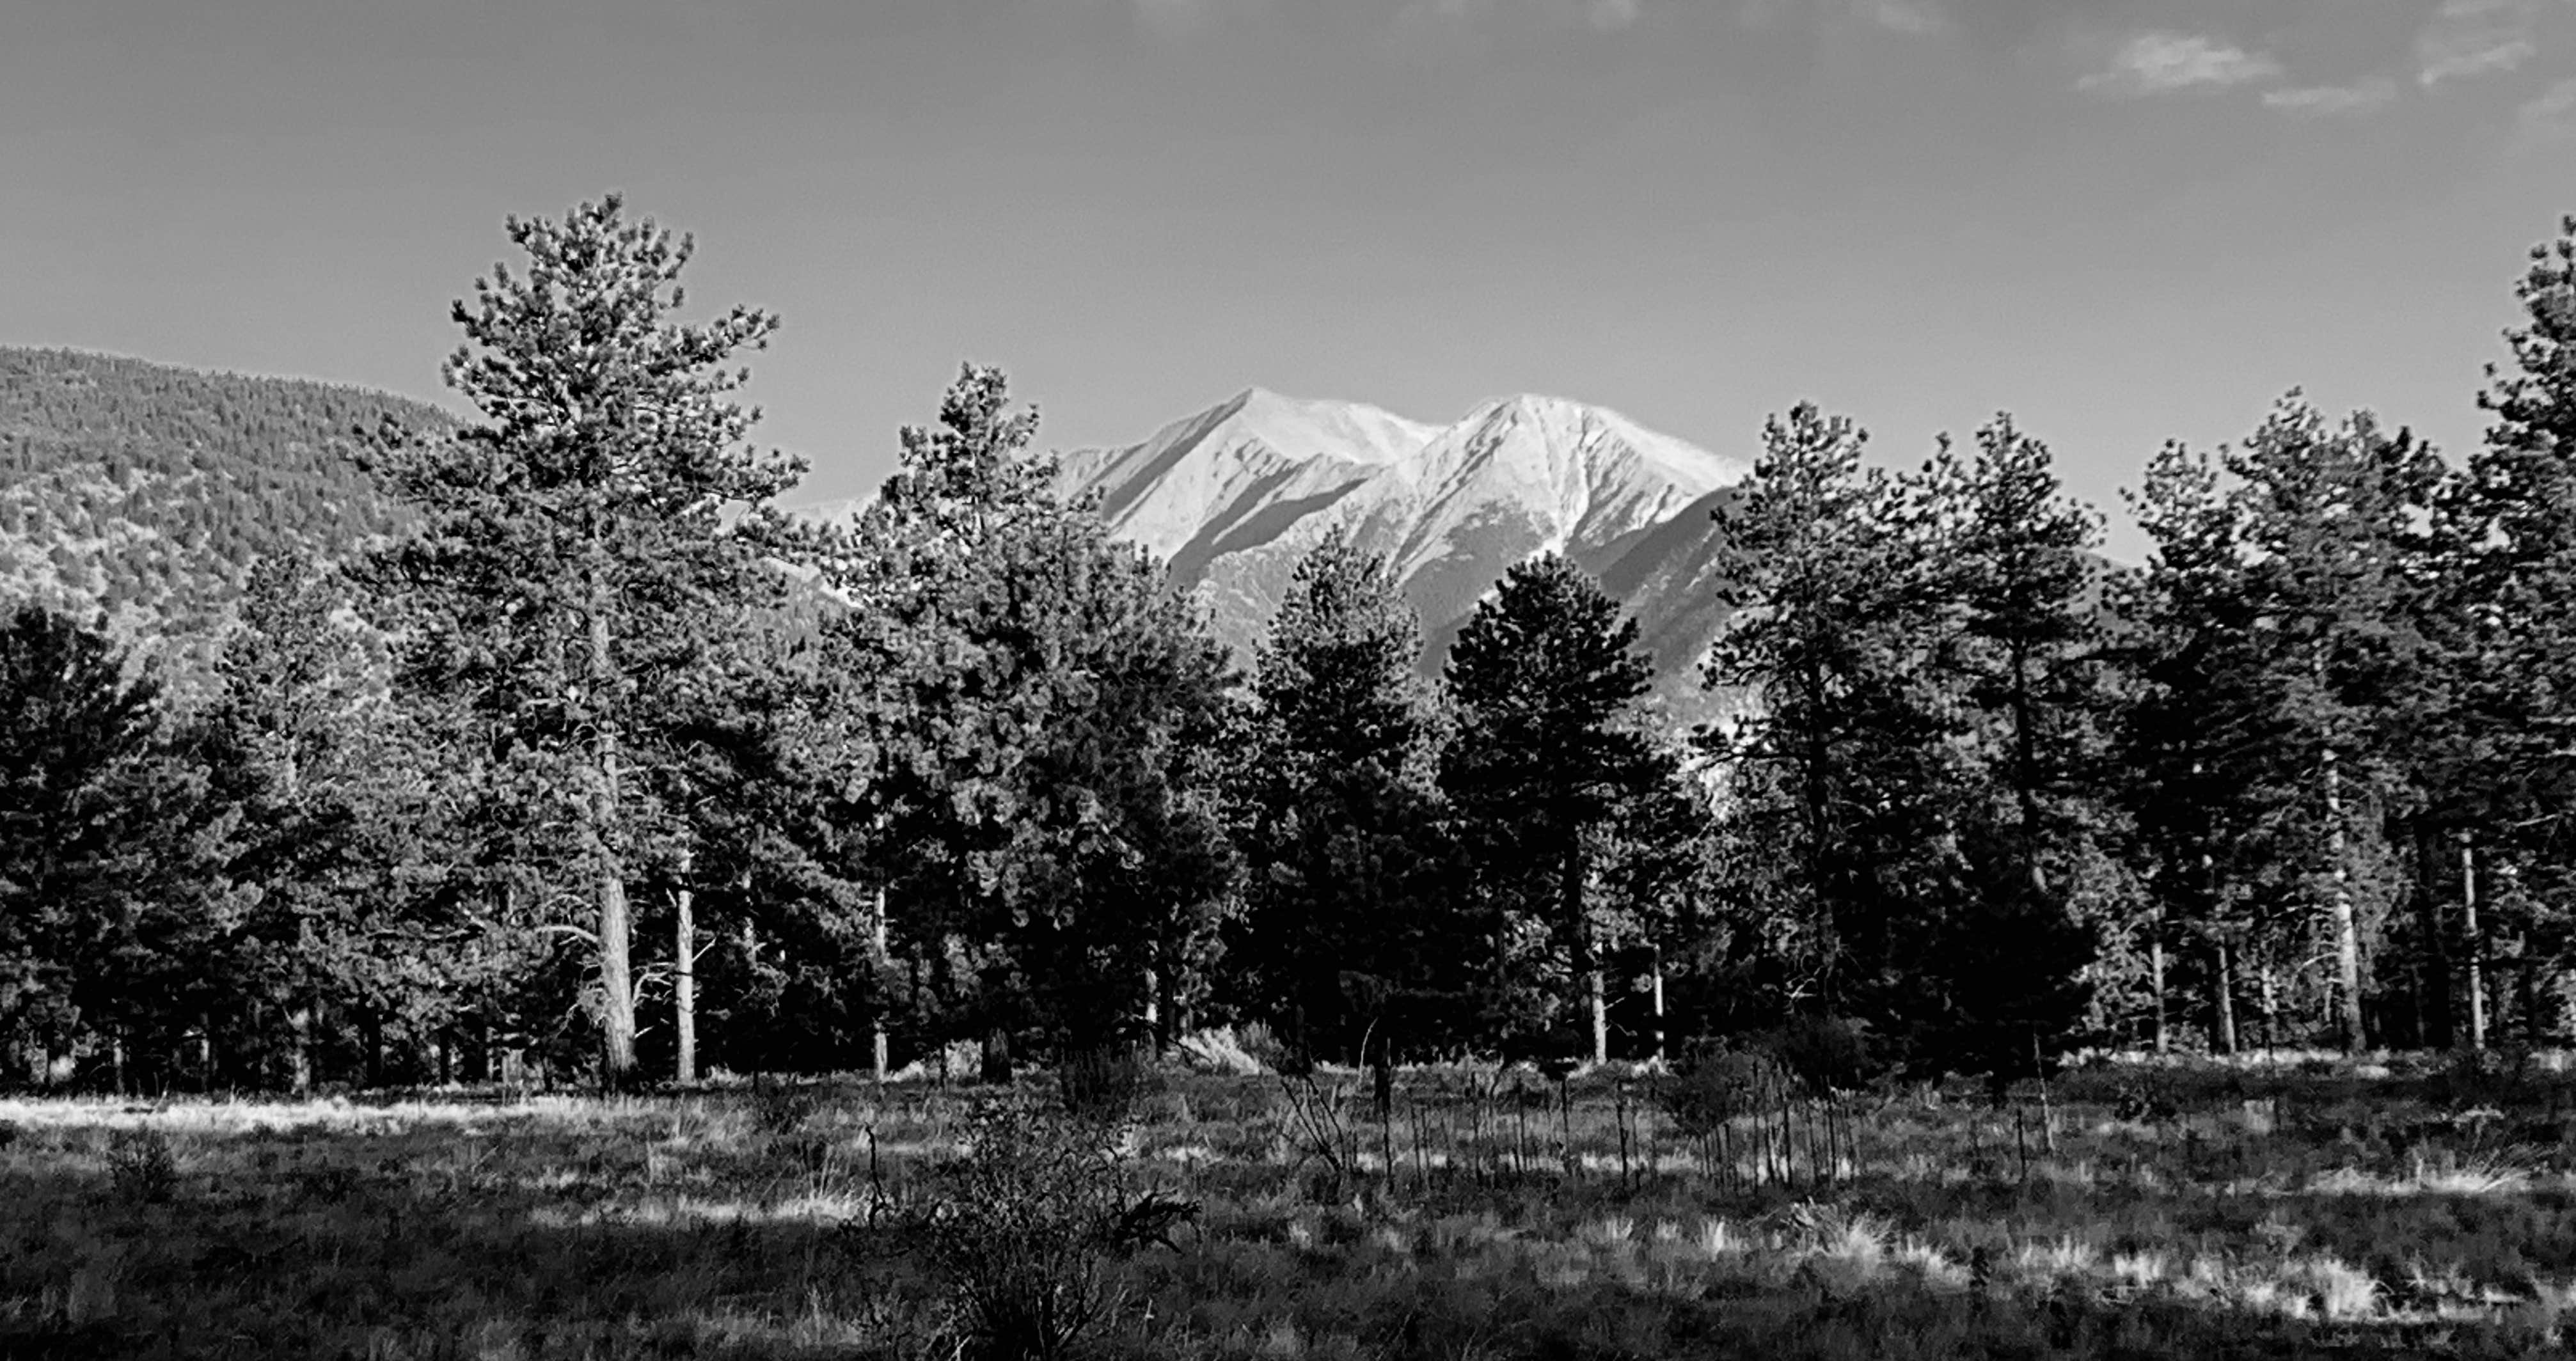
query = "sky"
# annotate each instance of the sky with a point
(2126, 221)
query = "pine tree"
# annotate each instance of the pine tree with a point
(2332, 521)
(94, 821)
(1839, 768)
(2020, 662)
(1347, 897)
(573, 553)
(1028, 713)
(1544, 681)
(2507, 632)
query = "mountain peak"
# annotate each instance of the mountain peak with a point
(1232, 497)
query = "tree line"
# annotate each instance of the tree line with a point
(600, 764)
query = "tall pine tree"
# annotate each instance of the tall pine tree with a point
(573, 552)
(1544, 681)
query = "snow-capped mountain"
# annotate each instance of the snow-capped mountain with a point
(1233, 496)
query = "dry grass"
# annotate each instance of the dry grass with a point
(2305, 1209)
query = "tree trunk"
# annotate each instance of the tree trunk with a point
(2222, 1011)
(2268, 996)
(878, 957)
(2156, 982)
(2347, 927)
(601, 831)
(1585, 951)
(299, 1049)
(1600, 1013)
(684, 977)
(1659, 1004)
(2475, 943)
(2435, 1028)
(2526, 992)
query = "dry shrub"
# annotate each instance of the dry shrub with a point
(1220, 1051)
(141, 1166)
(1023, 1223)
(1105, 1083)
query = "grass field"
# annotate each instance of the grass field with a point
(2302, 1208)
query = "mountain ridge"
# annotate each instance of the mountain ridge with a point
(1232, 495)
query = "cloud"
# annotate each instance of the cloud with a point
(2551, 117)
(1183, 18)
(2467, 38)
(1905, 16)
(2169, 63)
(1601, 16)
(1896, 16)
(2332, 101)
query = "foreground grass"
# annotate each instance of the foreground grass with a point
(2319, 1209)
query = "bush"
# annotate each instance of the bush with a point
(141, 1166)
(1104, 1083)
(1716, 1085)
(1826, 1053)
(1219, 1051)
(1023, 1222)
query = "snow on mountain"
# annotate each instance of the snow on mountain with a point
(1233, 496)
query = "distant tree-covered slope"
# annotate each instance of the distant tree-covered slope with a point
(143, 492)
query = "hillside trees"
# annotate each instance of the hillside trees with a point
(571, 555)
(1543, 682)
(1347, 926)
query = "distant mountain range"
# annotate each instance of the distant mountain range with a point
(1232, 497)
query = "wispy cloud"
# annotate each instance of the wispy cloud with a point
(1601, 16)
(1896, 16)
(2332, 101)
(2169, 63)
(2550, 118)
(1905, 16)
(1182, 18)
(2467, 38)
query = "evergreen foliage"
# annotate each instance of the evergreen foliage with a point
(1544, 681)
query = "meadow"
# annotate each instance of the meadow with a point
(2289, 1206)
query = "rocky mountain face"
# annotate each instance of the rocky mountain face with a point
(1233, 496)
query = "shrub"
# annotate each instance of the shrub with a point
(1022, 1223)
(1826, 1053)
(1221, 1051)
(141, 1166)
(1718, 1084)
(1104, 1083)
(1257, 1040)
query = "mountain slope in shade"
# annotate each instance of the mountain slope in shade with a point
(1234, 496)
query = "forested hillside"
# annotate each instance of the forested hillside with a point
(146, 491)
